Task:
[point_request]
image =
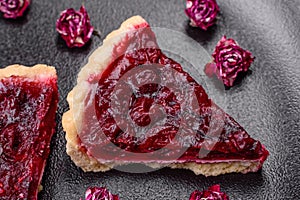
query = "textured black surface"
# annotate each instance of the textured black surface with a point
(266, 103)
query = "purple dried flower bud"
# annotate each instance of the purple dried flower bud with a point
(230, 59)
(75, 27)
(213, 193)
(101, 193)
(202, 13)
(13, 8)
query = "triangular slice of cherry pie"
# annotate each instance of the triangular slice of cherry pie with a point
(133, 104)
(28, 103)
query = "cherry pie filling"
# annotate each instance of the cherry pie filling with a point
(27, 123)
(142, 112)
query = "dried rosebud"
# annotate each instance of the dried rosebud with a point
(101, 193)
(213, 193)
(230, 60)
(202, 13)
(75, 27)
(13, 8)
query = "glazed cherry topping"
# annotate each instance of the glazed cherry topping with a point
(146, 102)
(27, 122)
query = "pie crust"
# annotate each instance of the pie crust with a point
(37, 71)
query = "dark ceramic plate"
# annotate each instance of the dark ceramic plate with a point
(266, 102)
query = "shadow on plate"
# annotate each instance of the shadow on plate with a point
(18, 21)
(201, 36)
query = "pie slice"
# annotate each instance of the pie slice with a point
(28, 103)
(133, 104)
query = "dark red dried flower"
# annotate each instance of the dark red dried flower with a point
(202, 13)
(13, 8)
(75, 27)
(213, 193)
(230, 59)
(101, 193)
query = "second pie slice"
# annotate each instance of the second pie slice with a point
(28, 104)
(133, 104)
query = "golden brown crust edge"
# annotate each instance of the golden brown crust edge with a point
(80, 158)
(100, 58)
(36, 71)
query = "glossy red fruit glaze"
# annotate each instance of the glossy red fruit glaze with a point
(27, 123)
(156, 106)
(213, 193)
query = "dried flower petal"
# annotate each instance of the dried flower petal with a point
(210, 69)
(101, 193)
(230, 60)
(213, 193)
(13, 8)
(202, 13)
(75, 27)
